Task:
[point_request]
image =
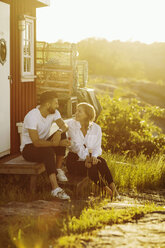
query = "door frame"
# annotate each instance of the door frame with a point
(9, 3)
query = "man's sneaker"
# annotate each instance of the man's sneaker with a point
(60, 193)
(61, 176)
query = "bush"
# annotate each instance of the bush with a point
(127, 127)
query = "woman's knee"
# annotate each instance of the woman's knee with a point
(102, 163)
(93, 171)
(102, 160)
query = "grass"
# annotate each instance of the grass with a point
(138, 174)
(20, 191)
(97, 217)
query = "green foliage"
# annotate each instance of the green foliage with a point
(124, 59)
(127, 127)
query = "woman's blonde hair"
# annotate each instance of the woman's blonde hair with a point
(89, 110)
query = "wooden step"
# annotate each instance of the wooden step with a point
(19, 165)
(80, 186)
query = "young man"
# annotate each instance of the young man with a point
(36, 146)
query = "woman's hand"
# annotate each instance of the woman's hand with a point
(88, 165)
(88, 161)
(95, 160)
(91, 160)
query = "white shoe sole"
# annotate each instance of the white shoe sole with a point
(62, 180)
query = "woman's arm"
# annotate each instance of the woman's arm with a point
(96, 150)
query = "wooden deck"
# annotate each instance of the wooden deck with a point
(19, 166)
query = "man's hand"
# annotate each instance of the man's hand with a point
(64, 142)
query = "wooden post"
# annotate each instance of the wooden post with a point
(33, 181)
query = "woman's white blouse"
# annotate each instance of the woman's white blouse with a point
(80, 144)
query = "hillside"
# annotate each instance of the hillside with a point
(148, 93)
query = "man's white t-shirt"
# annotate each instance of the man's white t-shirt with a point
(34, 120)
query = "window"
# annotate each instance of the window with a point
(26, 27)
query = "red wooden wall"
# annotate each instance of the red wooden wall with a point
(23, 94)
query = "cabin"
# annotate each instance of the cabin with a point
(27, 68)
(17, 67)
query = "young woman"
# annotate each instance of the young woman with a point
(84, 156)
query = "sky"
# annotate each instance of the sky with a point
(125, 20)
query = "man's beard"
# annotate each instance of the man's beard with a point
(51, 110)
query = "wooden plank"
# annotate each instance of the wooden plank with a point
(22, 169)
(54, 88)
(18, 165)
(58, 50)
(8, 158)
(77, 184)
(74, 180)
(33, 182)
(54, 82)
(54, 69)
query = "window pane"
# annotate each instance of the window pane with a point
(27, 30)
(28, 48)
(25, 64)
(24, 47)
(28, 64)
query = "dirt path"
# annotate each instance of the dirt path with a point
(148, 231)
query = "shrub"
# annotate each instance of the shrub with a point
(127, 127)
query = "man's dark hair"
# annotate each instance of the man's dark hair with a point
(47, 96)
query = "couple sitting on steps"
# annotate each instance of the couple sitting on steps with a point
(84, 143)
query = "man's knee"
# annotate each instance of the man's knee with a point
(60, 150)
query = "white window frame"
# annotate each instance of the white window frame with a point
(27, 76)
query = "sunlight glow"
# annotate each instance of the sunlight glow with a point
(125, 20)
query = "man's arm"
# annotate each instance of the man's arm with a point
(43, 143)
(62, 125)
